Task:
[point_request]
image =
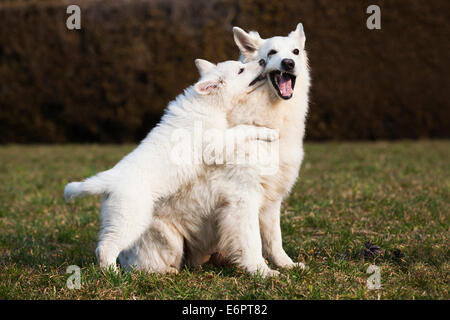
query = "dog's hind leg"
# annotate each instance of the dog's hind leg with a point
(124, 220)
(159, 250)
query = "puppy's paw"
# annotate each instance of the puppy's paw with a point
(105, 259)
(171, 270)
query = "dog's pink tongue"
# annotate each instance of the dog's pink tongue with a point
(285, 85)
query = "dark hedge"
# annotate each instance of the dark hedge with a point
(110, 81)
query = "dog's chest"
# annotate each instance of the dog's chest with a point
(278, 185)
(289, 119)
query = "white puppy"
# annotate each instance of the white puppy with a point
(150, 173)
(215, 212)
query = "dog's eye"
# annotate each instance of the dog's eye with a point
(296, 51)
(271, 52)
(241, 70)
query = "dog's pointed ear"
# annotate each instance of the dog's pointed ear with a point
(203, 66)
(299, 34)
(248, 43)
(208, 86)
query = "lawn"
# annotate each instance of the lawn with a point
(396, 195)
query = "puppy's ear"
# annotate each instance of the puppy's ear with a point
(204, 66)
(248, 43)
(299, 35)
(208, 86)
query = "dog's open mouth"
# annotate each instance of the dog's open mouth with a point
(284, 83)
(261, 77)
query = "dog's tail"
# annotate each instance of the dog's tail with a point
(98, 184)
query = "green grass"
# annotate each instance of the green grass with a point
(393, 194)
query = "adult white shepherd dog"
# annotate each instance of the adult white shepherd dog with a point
(283, 106)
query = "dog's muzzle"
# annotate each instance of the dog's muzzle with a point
(283, 82)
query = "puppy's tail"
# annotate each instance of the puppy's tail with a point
(97, 184)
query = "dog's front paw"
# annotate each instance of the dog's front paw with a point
(293, 265)
(265, 272)
(299, 265)
(271, 273)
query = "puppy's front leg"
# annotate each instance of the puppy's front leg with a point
(239, 234)
(220, 149)
(269, 220)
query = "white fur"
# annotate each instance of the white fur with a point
(288, 116)
(234, 209)
(149, 174)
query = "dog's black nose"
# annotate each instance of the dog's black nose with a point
(262, 63)
(288, 64)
